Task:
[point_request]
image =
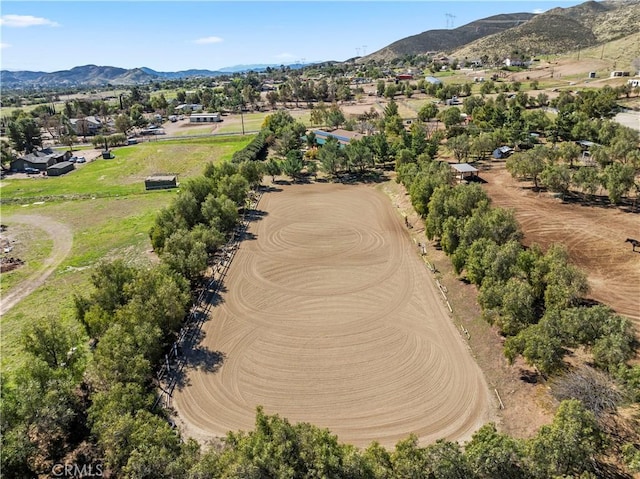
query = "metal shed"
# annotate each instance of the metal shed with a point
(161, 182)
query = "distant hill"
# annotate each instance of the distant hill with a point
(92, 75)
(561, 30)
(449, 40)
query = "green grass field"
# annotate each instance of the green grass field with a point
(125, 174)
(106, 227)
(254, 121)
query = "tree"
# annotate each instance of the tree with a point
(139, 446)
(273, 168)
(528, 164)
(568, 445)
(482, 145)
(7, 154)
(220, 213)
(52, 341)
(445, 460)
(330, 156)
(556, 177)
(358, 155)
(123, 123)
(234, 187)
(587, 179)
(570, 152)
(492, 455)
(565, 283)
(252, 171)
(538, 347)
(427, 112)
(292, 165)
(24, 134)
(460, 146)
(450, 117)
(335, 117)
(618, 179)
(185, 255)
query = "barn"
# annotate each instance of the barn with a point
(161, 182)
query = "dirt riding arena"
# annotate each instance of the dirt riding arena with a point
(330, 316)
(594, 236)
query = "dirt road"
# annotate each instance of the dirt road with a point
(62, 241)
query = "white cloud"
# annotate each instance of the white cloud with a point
(4, 45)
(538, 10)
(208, 40)
(20, 21)
(285, 56)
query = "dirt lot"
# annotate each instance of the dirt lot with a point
(331, 317)
(594, 235)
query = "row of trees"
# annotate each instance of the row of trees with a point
(519, 288)
(92, 406)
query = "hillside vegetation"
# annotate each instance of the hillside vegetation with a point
(561, 30)
(446, 40)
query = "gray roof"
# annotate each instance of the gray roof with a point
(464, 168)
(61, 165)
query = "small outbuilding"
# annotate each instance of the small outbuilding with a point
(161, 182)
(464, 170)
(205, 118)
(502, 152)
(60, 168)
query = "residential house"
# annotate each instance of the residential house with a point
(86, 126)
(40, 160)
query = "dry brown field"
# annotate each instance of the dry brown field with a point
(330, 316)
(594, 236)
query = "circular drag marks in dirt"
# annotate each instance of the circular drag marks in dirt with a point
(331, 317)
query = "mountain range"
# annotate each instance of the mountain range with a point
(556, 31)
(93, 75)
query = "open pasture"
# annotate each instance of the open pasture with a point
(330, 316)
(125, 174)
(100, 211)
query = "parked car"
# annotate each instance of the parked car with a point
(73, 159)
(31, 171)
(81, 159)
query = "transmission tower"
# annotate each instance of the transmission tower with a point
(450, 19)
(357, 51)
(364, 50)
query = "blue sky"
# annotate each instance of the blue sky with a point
(172, 35)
